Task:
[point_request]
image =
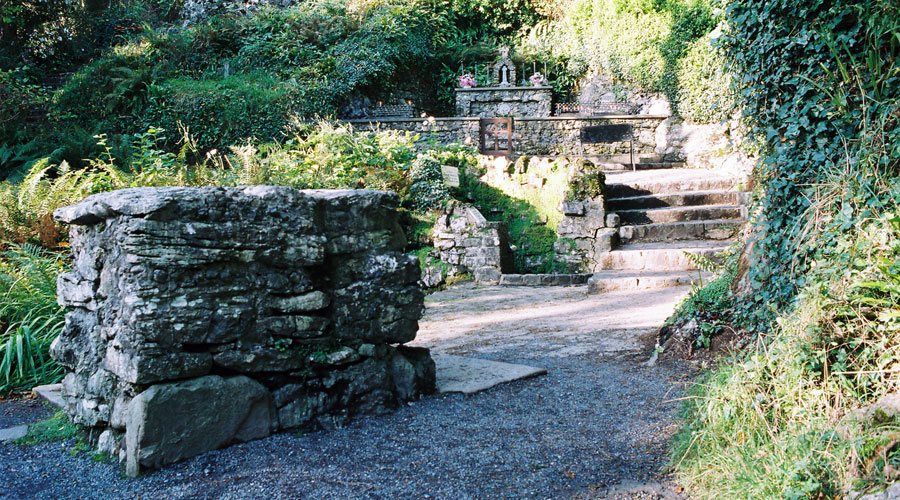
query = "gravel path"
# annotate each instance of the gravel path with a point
(23, 411)
(596, 426)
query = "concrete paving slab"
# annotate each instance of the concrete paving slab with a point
(13, 433)
(471, 375)
(52, 393)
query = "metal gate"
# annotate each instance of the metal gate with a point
(496, 136)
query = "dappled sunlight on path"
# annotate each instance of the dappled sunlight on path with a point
(554, 321)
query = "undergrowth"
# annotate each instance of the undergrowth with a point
(779, 422)
(710, 304)
(787, 419)
(30, 318)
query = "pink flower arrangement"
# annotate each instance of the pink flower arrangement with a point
(537, 79)
(466, 81)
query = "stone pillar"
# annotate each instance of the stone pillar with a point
(206, 316)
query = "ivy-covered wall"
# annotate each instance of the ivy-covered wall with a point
(819, 88)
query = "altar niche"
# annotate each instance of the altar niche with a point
(504, 70)
(504, 98)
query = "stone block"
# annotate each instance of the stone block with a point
(575, 208)
(475, 218)
(412, 372)
(512, 279)
(612, 220)
(487, 276)
(170, 422)
(532, 279)
(605, 241)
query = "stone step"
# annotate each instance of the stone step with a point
(690, 198)
(661, 256)
(611, 281)
(625, 166)
(675, 231)
(662, 185)
(543, 279)
(680, 214)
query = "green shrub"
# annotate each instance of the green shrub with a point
(823, 103)
(704, 86)
(18, 93)
(243, 76)
(30, 318)
(427, 190)
(224, 111)
(652, 45)
(778, 422)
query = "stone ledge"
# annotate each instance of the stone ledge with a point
(544, 279)
(589, 117)
(503, 89)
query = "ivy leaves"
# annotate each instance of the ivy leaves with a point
(812, 80)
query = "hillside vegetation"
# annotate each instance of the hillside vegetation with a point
(821, 286)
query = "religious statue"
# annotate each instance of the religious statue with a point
(504, 70)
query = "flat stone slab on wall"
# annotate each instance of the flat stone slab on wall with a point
(544, 279)
(206, 316)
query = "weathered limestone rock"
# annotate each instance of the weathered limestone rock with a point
(296, 295)
(173, 421)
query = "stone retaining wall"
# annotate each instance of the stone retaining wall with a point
(555, 135)
(468, 242)
(205, 316)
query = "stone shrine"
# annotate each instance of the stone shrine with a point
(505, 97)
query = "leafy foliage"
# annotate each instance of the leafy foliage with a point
(238, 77)
(819, 85)
(655, 45)
(30, 318)
(427, 190)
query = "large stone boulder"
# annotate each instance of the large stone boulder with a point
(173, 421)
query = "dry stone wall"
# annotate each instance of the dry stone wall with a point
(562, 136)
(206, 316)
(555, 135)
(586, 233)
(465, 240)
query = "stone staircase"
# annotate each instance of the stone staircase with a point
(663, 213)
